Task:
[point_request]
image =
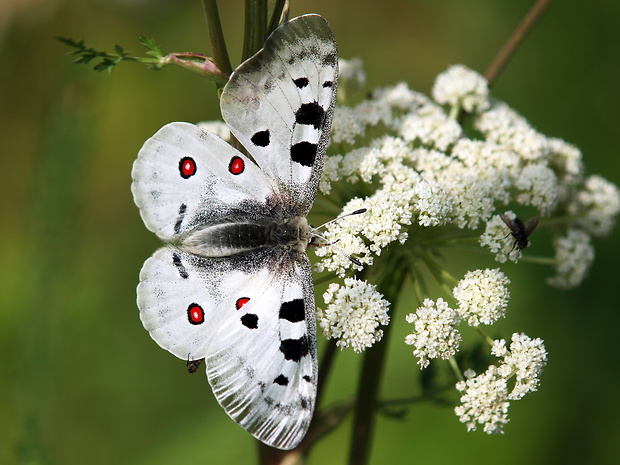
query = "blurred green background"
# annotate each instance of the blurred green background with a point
(81, 380)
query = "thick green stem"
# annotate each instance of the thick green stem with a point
(216, 36)
(255, 27)
(325, 368)
(370, 378)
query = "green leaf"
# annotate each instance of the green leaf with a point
(150, 44)
(119, 50)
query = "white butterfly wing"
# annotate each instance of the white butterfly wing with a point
(251, 315)
(253, 320)
(279, 105)
(185, 176)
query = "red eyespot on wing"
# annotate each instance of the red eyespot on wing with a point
(236, 166)
(187, 167)
(241, 302)
(195, 314)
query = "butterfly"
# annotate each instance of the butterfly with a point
(233, 284)
(519, 230)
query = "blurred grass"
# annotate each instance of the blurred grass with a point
(81, 380)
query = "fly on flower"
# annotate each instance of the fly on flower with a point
(519, 230)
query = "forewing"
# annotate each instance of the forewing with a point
(279, 104)
(185, 176)
(257, 335)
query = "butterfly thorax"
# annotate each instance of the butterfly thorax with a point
(227, 239)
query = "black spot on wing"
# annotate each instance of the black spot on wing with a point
(311, 114)
(281, 380)
(261, 138)
(294, 349)
(328, 84)
(176, 261)
(304, 153)
(177, 225)
(307, 378)
(293, 310)
(301, 82)
(250, 320)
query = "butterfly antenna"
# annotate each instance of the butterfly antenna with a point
(356, 212)
(338, 249)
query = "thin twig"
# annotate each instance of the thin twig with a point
(514, 41)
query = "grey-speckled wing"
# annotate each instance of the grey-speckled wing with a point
(252, 318)
(280, 102)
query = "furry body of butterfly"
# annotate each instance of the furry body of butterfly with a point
(234, 285)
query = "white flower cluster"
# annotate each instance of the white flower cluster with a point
(574, 255)
(353, 314)
(460, 87)
(486, 397)
(434, 331)
(484, 401)
(412, 167)
(597, 204)
(482, 296)
(351, 76)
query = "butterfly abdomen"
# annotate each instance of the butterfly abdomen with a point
(227, 239)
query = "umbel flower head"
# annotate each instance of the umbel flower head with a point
(428, 182)
(486, 397)
(407, 159)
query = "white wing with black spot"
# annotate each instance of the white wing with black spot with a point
(281, 101)
(253, 320)
(236, 287)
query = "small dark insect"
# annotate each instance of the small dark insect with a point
(519, 230)
(192, 365)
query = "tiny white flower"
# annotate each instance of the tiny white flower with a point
(462, 87)
(499, 348)
(574, 255)
(469, 373)
(434, 331)
(353, 314)
(482, 296)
